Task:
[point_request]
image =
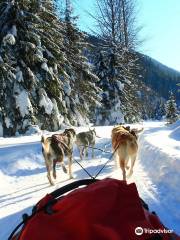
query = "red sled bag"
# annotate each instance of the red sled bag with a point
(106, 209)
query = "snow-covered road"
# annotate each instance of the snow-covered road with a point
(156, 173)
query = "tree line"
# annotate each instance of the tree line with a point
(47, 77)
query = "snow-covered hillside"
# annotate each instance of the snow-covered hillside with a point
(156, 173)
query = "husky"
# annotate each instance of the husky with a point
(55, 148)
(124, 143)
(84, 140)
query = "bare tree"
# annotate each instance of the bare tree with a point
(117, 23)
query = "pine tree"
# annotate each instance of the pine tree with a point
(101, 70)
(171, 110)
(118, 81)
(80, 71)
(39, 79)
(30, 49)
(178, 87)
(159, 111)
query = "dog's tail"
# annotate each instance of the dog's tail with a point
(137, 131)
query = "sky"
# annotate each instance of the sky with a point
(161, 27)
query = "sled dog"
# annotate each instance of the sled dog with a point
(55, 148)
(84, 140)
(124, 143)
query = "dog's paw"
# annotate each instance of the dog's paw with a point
(50, 180)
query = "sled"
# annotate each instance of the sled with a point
(93, 209)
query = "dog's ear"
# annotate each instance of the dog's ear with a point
(127, 128)
(73, 131)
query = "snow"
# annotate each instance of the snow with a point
(81, 120)
(7, 122)
(39, 57)
(23, 103)
(19, 75)
(175, 134)
(13, 31)
(160, 154)
(67, 101)
(45, 102)
(1, 60)
(9, 39)
(64, 105)
(56, 113)
(77, 99)
(31, 74)
(120, 85)
(117, 115)
(1, 129)
(174, 125)
(50, 55)
(139, 94)
(33, 129)
(67, 88)
(45, 67)
(156, 172)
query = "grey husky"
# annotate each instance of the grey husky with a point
(84, 140)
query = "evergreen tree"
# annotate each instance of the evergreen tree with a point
(40, 81)
(31, 53)
(119, 82)
(178, 87)
(102, 72)
(80, 70)
(171, 110)
(159, 111)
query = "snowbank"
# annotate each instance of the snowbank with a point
(175, 134)
(160, 158)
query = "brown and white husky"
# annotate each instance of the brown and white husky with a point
(124, 143)
(55, 148)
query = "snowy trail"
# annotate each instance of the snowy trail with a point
(24, 182)
(159, 155)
